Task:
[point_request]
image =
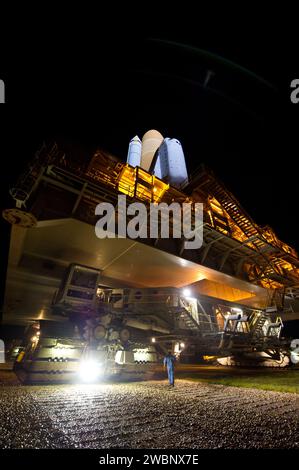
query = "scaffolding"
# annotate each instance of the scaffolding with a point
(55, 185)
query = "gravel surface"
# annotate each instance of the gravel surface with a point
(147, 415)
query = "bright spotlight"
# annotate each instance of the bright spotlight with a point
(89, 370)
(182, 345)
(153, 340)
(187, 292)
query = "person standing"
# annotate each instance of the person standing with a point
(169, 361)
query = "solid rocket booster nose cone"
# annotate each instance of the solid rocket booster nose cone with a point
(134, 152)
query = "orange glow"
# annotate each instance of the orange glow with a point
(135, 182)
(237, 233)
(221, 291)
(216, 207)
(218, 216)
(269, 284)
(126, 182)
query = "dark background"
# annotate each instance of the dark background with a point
(100, 86)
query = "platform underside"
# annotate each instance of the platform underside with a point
(39, 256)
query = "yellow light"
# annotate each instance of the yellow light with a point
(182, 345)
(141, 184)
(34, 339)
(209, 358)
(153, 340)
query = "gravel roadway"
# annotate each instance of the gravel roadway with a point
(146, 415)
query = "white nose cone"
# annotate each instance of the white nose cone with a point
(151, 141)
(134, 152)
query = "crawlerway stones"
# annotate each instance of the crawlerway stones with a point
(147, 415)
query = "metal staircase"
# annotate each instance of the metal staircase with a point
(206, 181)
(188, 320)
(258, 326)
(202, 324)
(270, 255)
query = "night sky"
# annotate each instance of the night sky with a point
(102, 89)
